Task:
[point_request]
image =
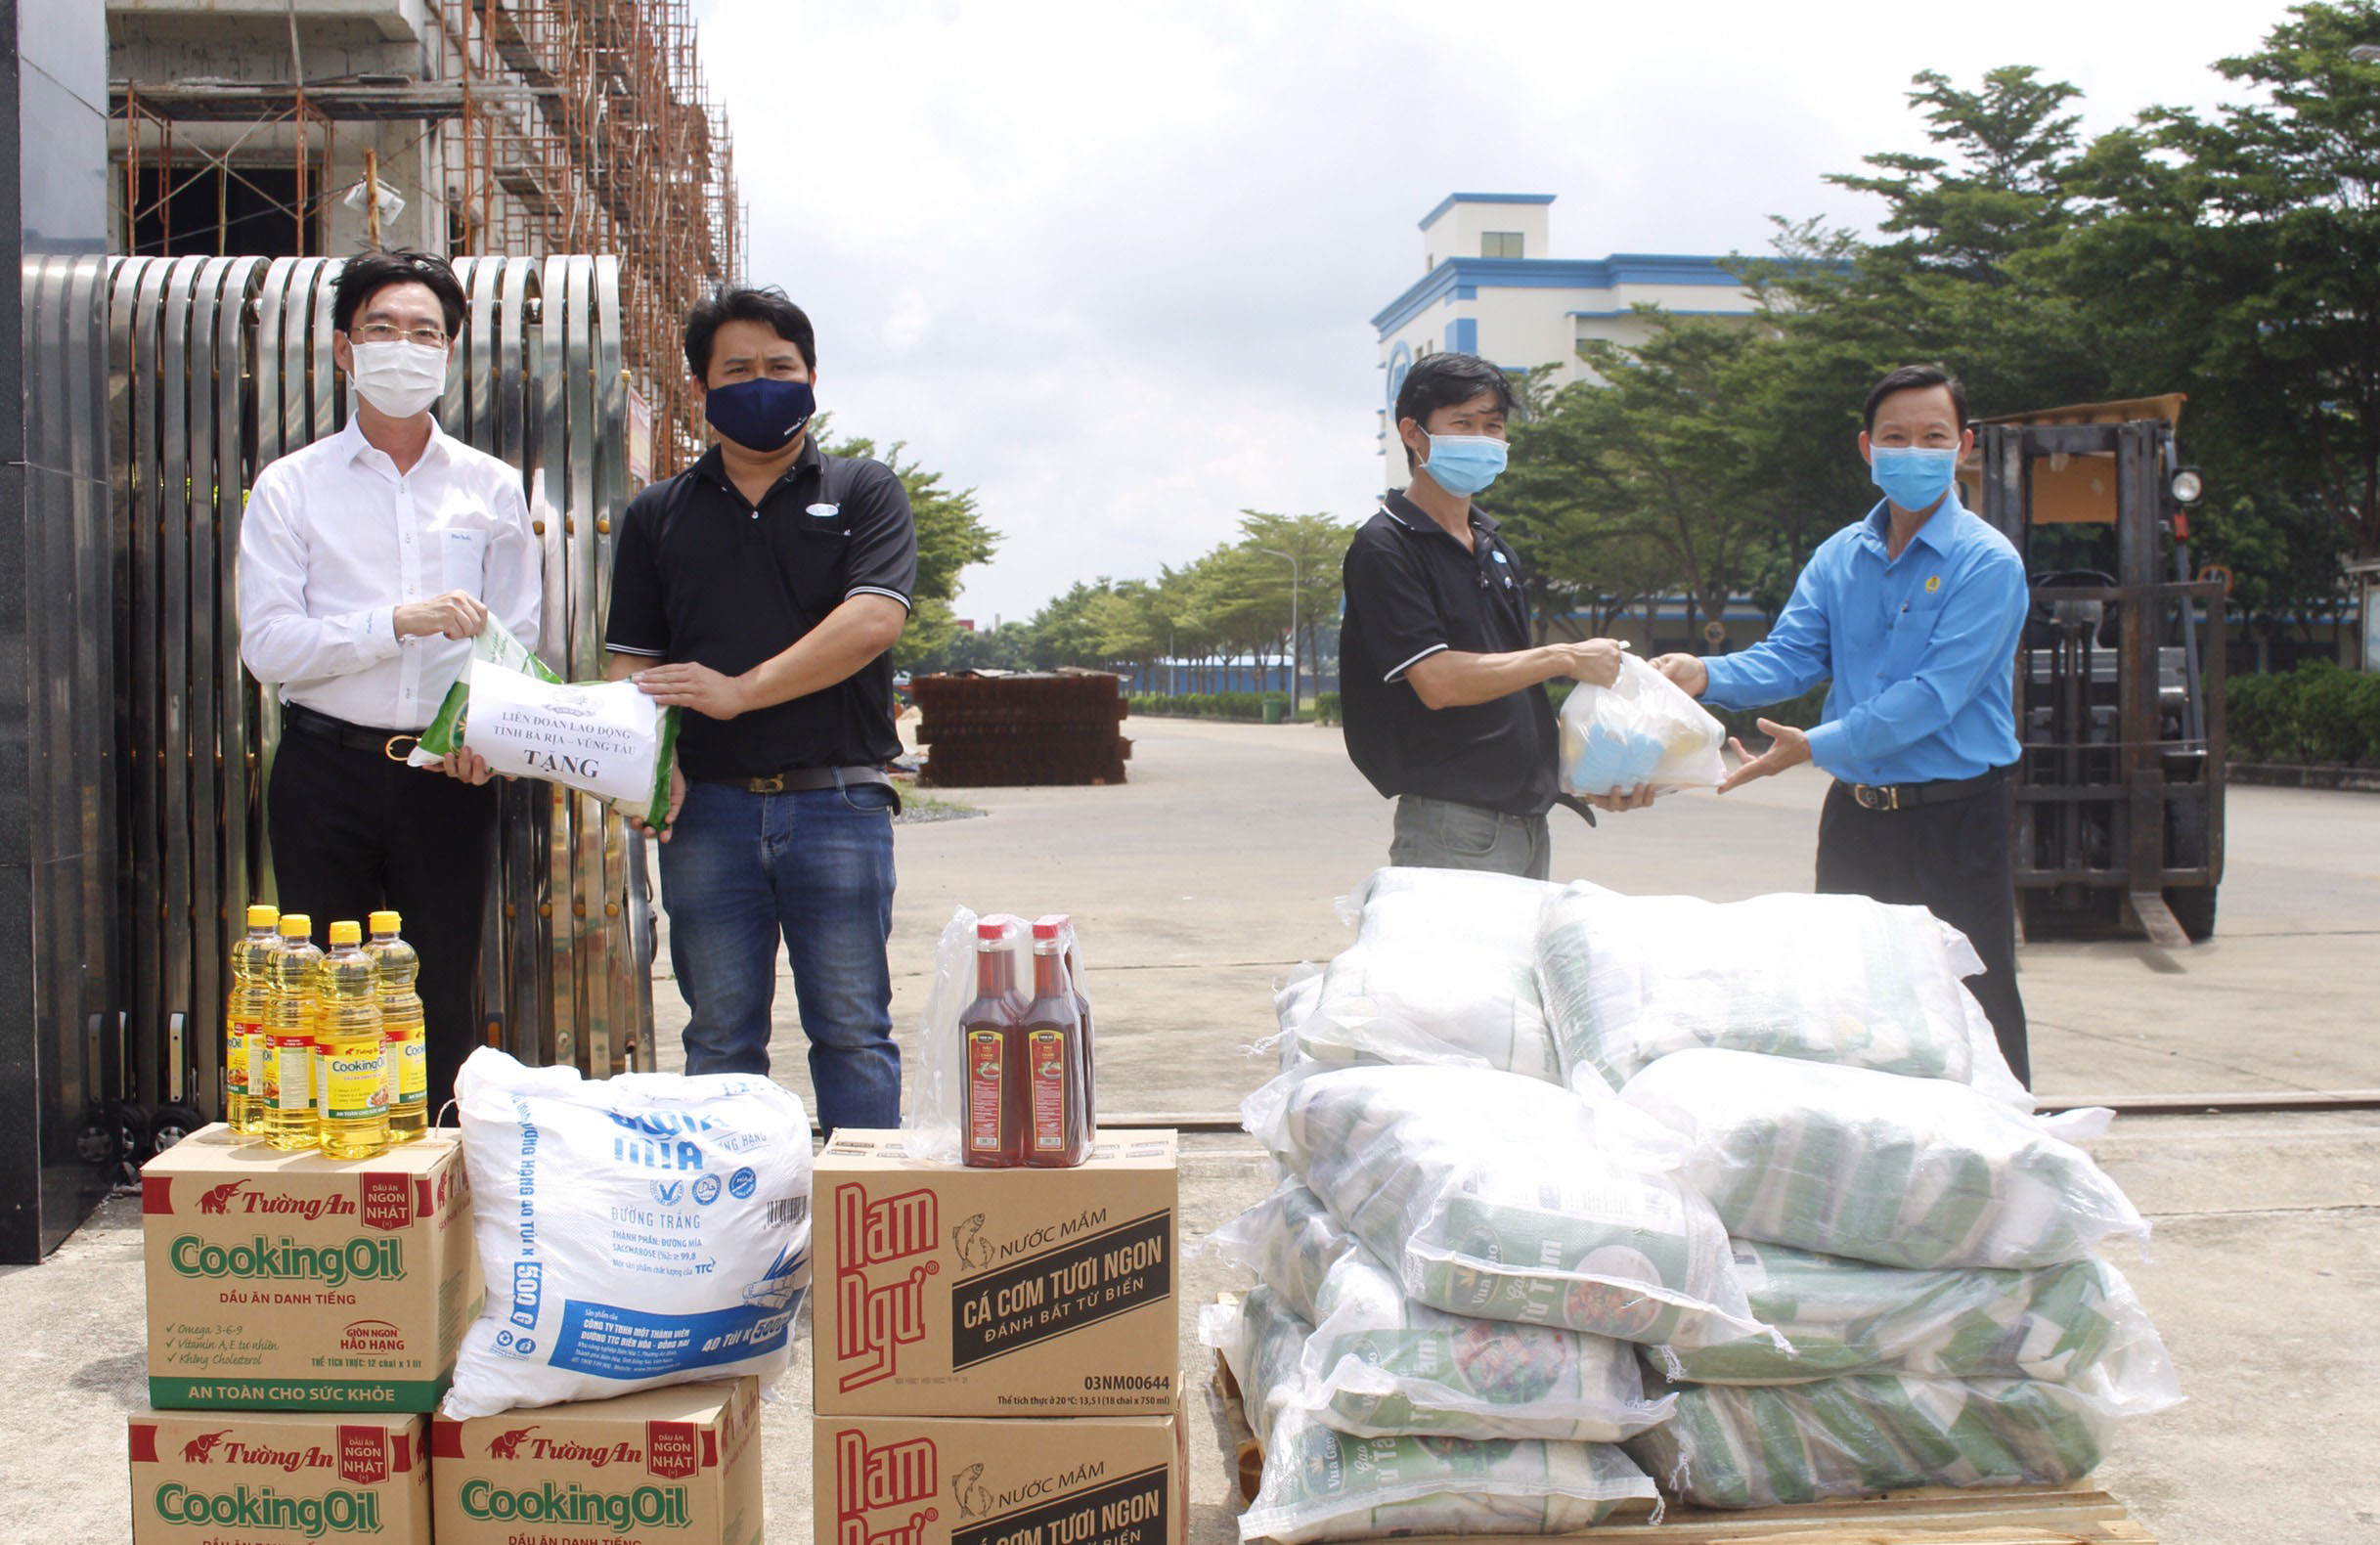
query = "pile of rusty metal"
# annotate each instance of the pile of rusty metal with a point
(983, 731)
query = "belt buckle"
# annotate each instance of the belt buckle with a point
(1866, 796)
(773, 783)
(388, 747)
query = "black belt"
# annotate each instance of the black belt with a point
(1908, 796)
(799, 780)
(355, 737)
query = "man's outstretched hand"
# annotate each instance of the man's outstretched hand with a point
(1791, 749)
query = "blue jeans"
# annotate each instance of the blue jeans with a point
(815, 867)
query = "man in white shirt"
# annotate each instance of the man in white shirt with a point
(367, 561)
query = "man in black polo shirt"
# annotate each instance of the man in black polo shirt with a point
(773, 581)
(1441, 684)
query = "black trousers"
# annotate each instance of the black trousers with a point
(354, 832)
(1952, 859)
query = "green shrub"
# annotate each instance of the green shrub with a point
(2255, 714)
(1202, 705)
(1326, 708)
(2317, 713)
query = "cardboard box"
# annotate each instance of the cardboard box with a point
(943, 1291)
(265, 1478)
(680, 1466)
(995, 1480)
(290, 1281)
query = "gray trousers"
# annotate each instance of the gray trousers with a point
(1440, 834)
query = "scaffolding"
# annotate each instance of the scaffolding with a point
(586, 127)
(560, 126)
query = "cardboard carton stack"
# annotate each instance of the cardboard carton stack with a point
(678, 1465)
(997, 1349)
(303, 1318)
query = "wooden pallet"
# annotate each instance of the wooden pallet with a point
(2079, 1514)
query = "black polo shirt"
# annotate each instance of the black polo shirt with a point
(1412, 591)
(700, 575)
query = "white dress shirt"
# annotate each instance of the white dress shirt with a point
(334, 539)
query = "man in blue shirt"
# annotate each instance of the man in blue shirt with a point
(1913, 614)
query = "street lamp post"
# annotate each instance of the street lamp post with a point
(1294, 661)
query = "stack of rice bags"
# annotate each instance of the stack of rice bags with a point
(1923, 1246)
(1445, 1276)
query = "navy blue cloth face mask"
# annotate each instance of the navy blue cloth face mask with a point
(760, 415)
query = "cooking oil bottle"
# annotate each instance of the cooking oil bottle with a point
(246, 1053)
(401, 1028)
(292, 975)
(351, 1064)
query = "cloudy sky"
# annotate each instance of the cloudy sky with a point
(1111, 264)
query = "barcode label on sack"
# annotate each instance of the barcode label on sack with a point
(788, 1210)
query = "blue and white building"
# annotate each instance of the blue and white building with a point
(1490, 286)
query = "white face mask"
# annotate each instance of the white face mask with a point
(399, 378)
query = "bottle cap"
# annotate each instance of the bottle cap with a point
(991, 933)
(386, 922)
(346, 934)
(1045, 929)
(263, 916)
(1056, 920)
(296, 925)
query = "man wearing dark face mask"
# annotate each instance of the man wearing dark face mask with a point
(367, 561)
(761, 590)
(1913, 614)
(1442, 682)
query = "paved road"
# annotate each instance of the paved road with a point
(1204, 879)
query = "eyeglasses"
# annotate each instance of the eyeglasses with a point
(390, 333)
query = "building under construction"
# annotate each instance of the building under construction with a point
(470, 127)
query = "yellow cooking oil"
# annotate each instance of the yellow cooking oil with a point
(293, 976)
(246, 1053)
(408, 1073)
(350, 1079)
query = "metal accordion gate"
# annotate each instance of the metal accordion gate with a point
(215, 367)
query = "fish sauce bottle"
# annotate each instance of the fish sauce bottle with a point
(351, 1075)
(992, 1045)
(246, 1049)
(1057, 1133)
(292, 974)
(401, 1034)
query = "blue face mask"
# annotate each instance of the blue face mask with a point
(1464, 464)
(761, 414)
(1912, 476)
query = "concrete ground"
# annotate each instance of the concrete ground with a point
(1201, 881)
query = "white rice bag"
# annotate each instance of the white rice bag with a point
(1500, 1197)
(636, 1231)
(1377, 1364)
(1917, 1173)
(1323, 1484)
(1442, 970)
(1842, 978)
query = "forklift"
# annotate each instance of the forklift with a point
(2119, 675)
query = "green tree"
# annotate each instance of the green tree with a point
(1319, 546)
(951, 537)
(2263, 223)
(1643, 471)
